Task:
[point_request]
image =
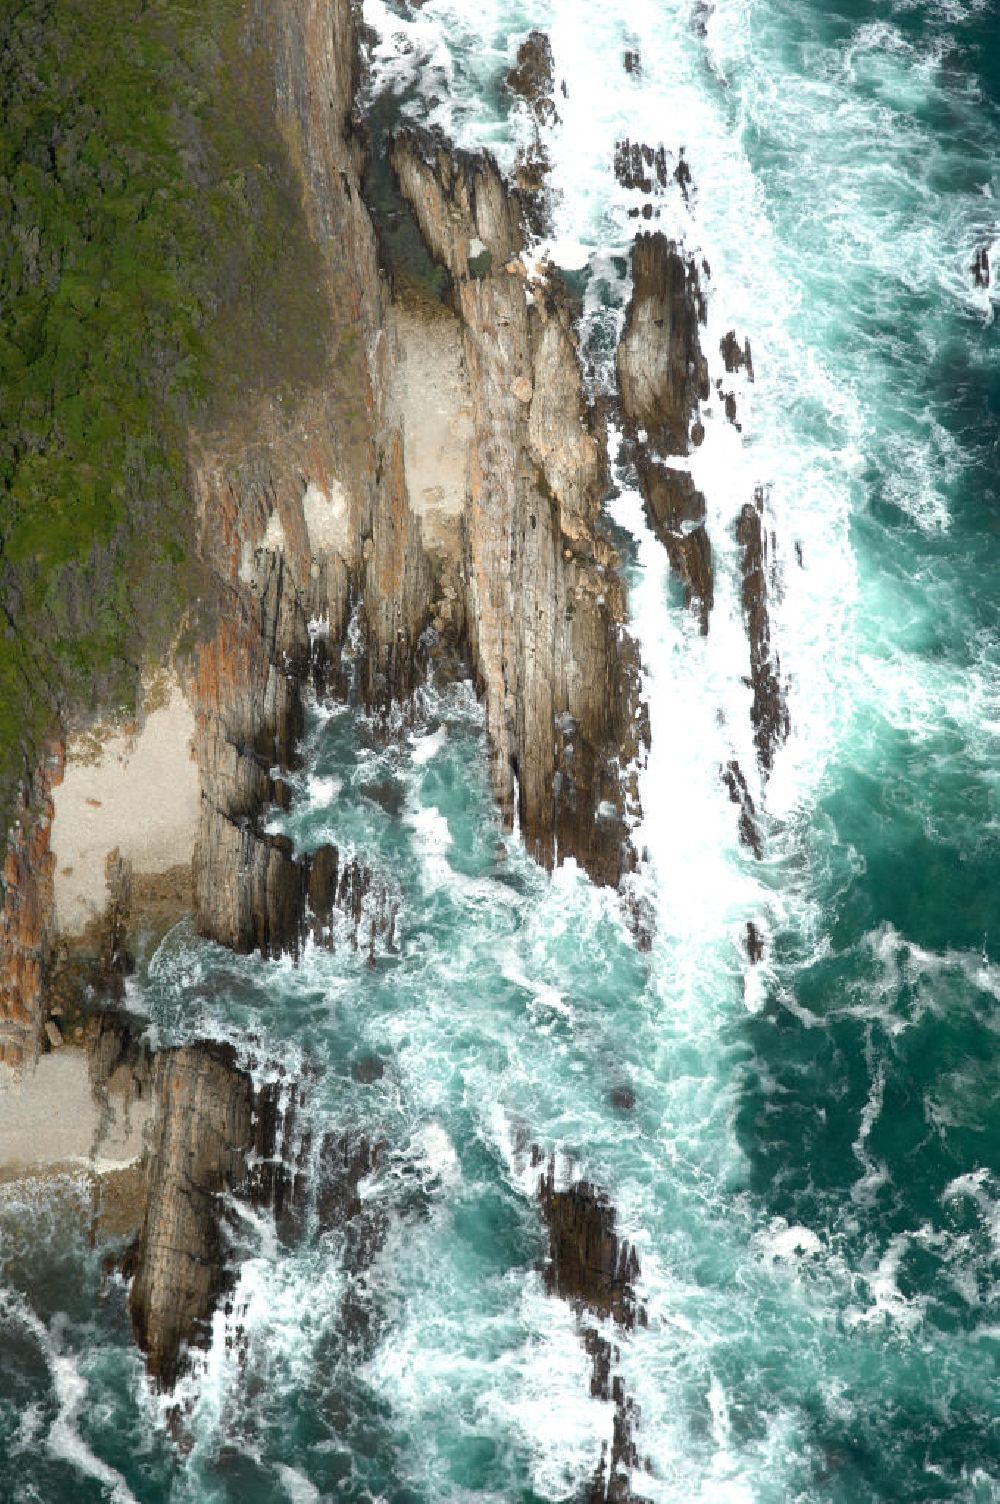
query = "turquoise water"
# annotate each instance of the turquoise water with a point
(811, 1169)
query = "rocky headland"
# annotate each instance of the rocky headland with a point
(419, 498)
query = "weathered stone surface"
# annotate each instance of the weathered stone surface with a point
(662, 373)
(591, 1267)
(545, 604)
(739, 793)
(203, 1133)
(769, 710)
(533, 77)
(588, 1263)
(662, 376)
(26, 917)
(736, 357)
(676, 511)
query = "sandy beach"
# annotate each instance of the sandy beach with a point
(137, 793)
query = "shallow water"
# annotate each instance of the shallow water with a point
(811, 1170)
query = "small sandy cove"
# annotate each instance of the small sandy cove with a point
(50, 1119)
(138, 792)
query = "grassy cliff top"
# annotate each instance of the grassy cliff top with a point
(154, 266)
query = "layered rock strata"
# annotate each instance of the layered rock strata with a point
(590, 1266)
(27, 918)
(769, 710)
(213, 1136)
(662, 378)
(544, 601)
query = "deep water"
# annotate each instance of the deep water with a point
(811, 1168)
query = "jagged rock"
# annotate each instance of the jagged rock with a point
(587, 1261)
(590, 1266)
(322, 889)
(754, 943)
(676, 511)
(545, 604)
(981, 267)
(739, 793)
(683, 177)
(533, 77)
(734, 356)
(662, 373)
(26, 916)
(203, 1134)
(640, 167)
(769, 711)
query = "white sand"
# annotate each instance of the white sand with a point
(49, 1118)
(137, 793)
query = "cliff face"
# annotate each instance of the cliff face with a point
(304, 517)
(26, 919)
(662, 377)
(351, 505)
(205, 1128)
(544, 601)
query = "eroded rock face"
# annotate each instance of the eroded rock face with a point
(208, 1124)
(662, 373)
(662, 377)
(203, 1132)
(544, 601)
(305, 520)
(591, 1267)
(26, 917)
(588, 1263)
(533, 77)
(677, 512)
(769, 710)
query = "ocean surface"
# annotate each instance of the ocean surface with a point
(811, 1169)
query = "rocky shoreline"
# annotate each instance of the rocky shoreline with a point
(354, 538)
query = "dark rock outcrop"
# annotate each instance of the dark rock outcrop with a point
(595, 1270)
(677, 511)
(736, 357)
(769, 710)
(981, 267)
(739, 792)
(203, 1134)
(662, 377)
(662, 373)
(533, 77)
(588, 1263)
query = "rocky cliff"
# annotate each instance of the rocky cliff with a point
(26, 918)
(544, 601)
(662, 377)
(210, 1129)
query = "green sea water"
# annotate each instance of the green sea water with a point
(810, 1169)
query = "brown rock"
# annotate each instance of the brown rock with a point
(662, 373)
(557, 673)
(203, 1133)
(588, 1263)
(533, 77)
(769, 711)
(734, 356)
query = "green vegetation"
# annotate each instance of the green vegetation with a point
(154, 264)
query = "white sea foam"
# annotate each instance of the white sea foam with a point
(297, 1486)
